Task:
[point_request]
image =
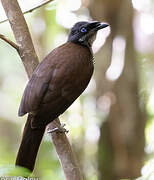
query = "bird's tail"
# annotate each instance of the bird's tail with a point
(29, 146)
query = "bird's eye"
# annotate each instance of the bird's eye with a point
(83, 30)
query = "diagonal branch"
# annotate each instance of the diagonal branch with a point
(32, 9)
(9, 42)
(30, 61)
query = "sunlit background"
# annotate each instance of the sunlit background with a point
(49, 27)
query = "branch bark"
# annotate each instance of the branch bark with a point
(30, 61)
(11, 43)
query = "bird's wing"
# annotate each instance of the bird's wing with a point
(54, 84)
(46, 82)
(36, 88)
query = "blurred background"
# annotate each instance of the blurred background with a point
(111, 126)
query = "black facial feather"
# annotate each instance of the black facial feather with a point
(82, 32)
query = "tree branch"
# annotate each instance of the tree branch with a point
(9, 42)
(32, 9)
(30, 61)
(66, 157)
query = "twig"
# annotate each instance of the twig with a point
(32, 9)
(30, 61)
(9, 42)
(22, 35)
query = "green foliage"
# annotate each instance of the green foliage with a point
(10, 170)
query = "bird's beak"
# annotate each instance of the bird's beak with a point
(101, 26)
(95, 25)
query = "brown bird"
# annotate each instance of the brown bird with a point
(55, 84)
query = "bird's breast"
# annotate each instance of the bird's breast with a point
(77, 72)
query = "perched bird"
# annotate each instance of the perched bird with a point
(54, 85)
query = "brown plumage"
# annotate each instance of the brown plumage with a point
(55, 84)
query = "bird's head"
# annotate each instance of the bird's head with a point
(84, 33)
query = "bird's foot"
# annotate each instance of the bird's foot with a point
(59, 129)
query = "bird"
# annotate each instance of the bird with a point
(55, 84)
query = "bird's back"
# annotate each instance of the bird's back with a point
(57, 81)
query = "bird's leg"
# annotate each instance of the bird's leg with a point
(60, 128)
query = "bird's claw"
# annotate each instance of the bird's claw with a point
(59, 129)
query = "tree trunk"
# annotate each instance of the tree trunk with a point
(121, 144)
